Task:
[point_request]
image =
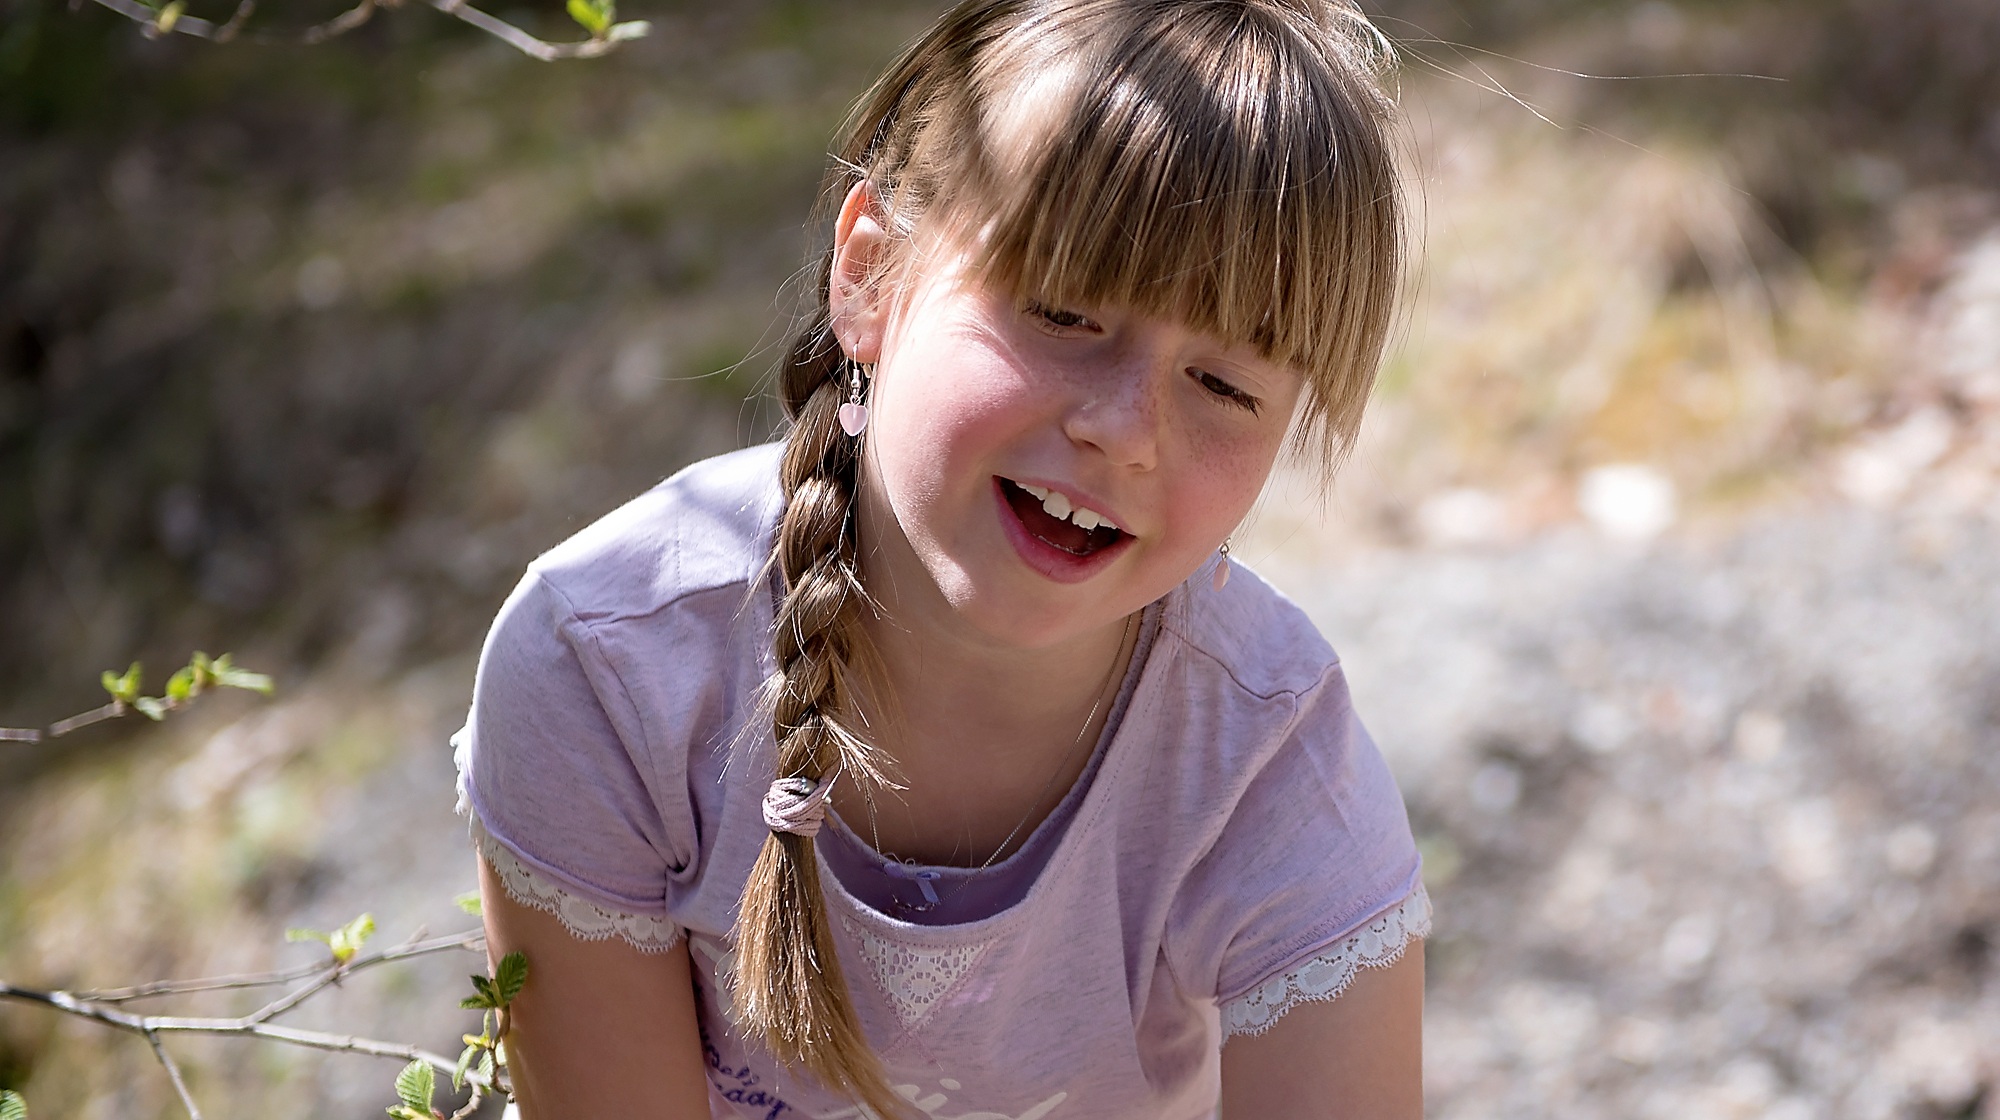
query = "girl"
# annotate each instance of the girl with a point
(931, 764)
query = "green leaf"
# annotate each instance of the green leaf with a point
(228, 675)
(405, 1112)
(468, 902)
(248, 681)
(414, 1087)
(308, 935)
(12, 1105)
(472, 1051)
(487, 996)
(182, 685)
(124, 689)
(348, 939)
(510, 976)
(486, 1064)
(152, 707)
(170, 15)
(594, 17)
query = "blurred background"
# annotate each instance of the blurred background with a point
(1667, 572)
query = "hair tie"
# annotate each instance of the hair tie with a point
(797, 805)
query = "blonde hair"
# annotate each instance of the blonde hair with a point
(1227, 163)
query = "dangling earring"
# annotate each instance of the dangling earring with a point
(1221, 577)
(853, 414)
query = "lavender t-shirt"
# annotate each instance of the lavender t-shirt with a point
(1236, 845)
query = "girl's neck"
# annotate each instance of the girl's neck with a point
(986, 739)
(947, 685)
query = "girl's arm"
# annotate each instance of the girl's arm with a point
(1355, 1057)
(601, 1030)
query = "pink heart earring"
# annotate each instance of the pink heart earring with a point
(1221, 577)
(853, 415)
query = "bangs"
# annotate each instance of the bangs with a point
(1197, 168)
(1224, 163)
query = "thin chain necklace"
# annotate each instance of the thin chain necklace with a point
(924, 877)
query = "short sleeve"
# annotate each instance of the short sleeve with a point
(1315, 875)
(554, 766)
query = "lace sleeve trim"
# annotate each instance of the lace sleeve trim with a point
(1380, 942)
(582, 918)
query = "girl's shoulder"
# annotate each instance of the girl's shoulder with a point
(1251, 632)
(704, 528)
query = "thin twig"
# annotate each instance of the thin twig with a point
(174, 1075)
(63, 726)
(520, 40)
(472, 940)
(185, 25)
(339, 25)
(237, 19)
(359, 14)
(340, 969)
(316, 1040)
(206, 984)
(113, 710)
(471, 1106)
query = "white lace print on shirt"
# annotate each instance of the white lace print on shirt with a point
(582, 918)
(1328, 974)
(913, 978)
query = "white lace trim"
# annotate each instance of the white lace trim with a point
(914, 978)
(1325, 976)
(582, 918)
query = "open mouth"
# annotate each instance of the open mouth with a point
(1051, 519)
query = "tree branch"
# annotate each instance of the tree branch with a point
(174, 1075)
(522, 41)
(63, 726)
(316, 1040)
(339, 25)
(359, 14)
(470, 940)
(471, 1106)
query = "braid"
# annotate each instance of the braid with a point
(1227, 164)
(789, 987)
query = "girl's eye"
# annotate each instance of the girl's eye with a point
(1057, 317)
(1224, 390)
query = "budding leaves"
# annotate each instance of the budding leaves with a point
(492, 995)
(468, 902)
(221, 672)
(594, 15)
(12, 1106)
(496, 992)
(200, 673)
(123, 689)
(414, 1088)
(344, 942)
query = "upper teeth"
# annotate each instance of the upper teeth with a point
(1056, 504)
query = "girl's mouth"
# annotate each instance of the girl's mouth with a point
(1050, 519)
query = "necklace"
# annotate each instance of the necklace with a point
(924, 877)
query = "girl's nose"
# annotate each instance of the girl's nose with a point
(1117, 412)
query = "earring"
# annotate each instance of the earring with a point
(1221, 577)
(853, 414)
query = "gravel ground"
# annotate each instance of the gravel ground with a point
(1712, 828)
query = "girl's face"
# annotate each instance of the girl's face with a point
(1046, 470)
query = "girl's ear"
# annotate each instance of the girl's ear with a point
(857, 299)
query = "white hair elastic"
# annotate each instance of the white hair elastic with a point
(797, 805)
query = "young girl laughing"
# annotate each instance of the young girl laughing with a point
(931, 762)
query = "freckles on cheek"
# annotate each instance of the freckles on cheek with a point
(1227, 473)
